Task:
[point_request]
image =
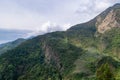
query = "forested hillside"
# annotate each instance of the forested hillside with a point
(86, 51)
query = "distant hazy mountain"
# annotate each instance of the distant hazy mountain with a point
(10, 45)
(88, 51)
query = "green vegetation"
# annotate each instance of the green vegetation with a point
(111, 40)
(80, 53)
(10, 45)
(28, 60)
(104, 72)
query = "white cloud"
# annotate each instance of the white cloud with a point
(48, 27)
(19, 17)
(42, 16)
(3, 41)
(91, 8)
(16, 17)
(102, 5)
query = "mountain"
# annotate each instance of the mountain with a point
(87, 51)
(95, 32)
(104, 21)
(10, 45)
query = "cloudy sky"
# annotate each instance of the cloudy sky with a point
(25, 18)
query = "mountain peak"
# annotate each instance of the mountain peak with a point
(106, 20)
(116, 5)
(111, 20)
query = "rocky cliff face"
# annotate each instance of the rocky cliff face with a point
(51, 56)
(107, 20)
(110, 21)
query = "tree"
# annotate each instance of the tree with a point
(104, 72)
